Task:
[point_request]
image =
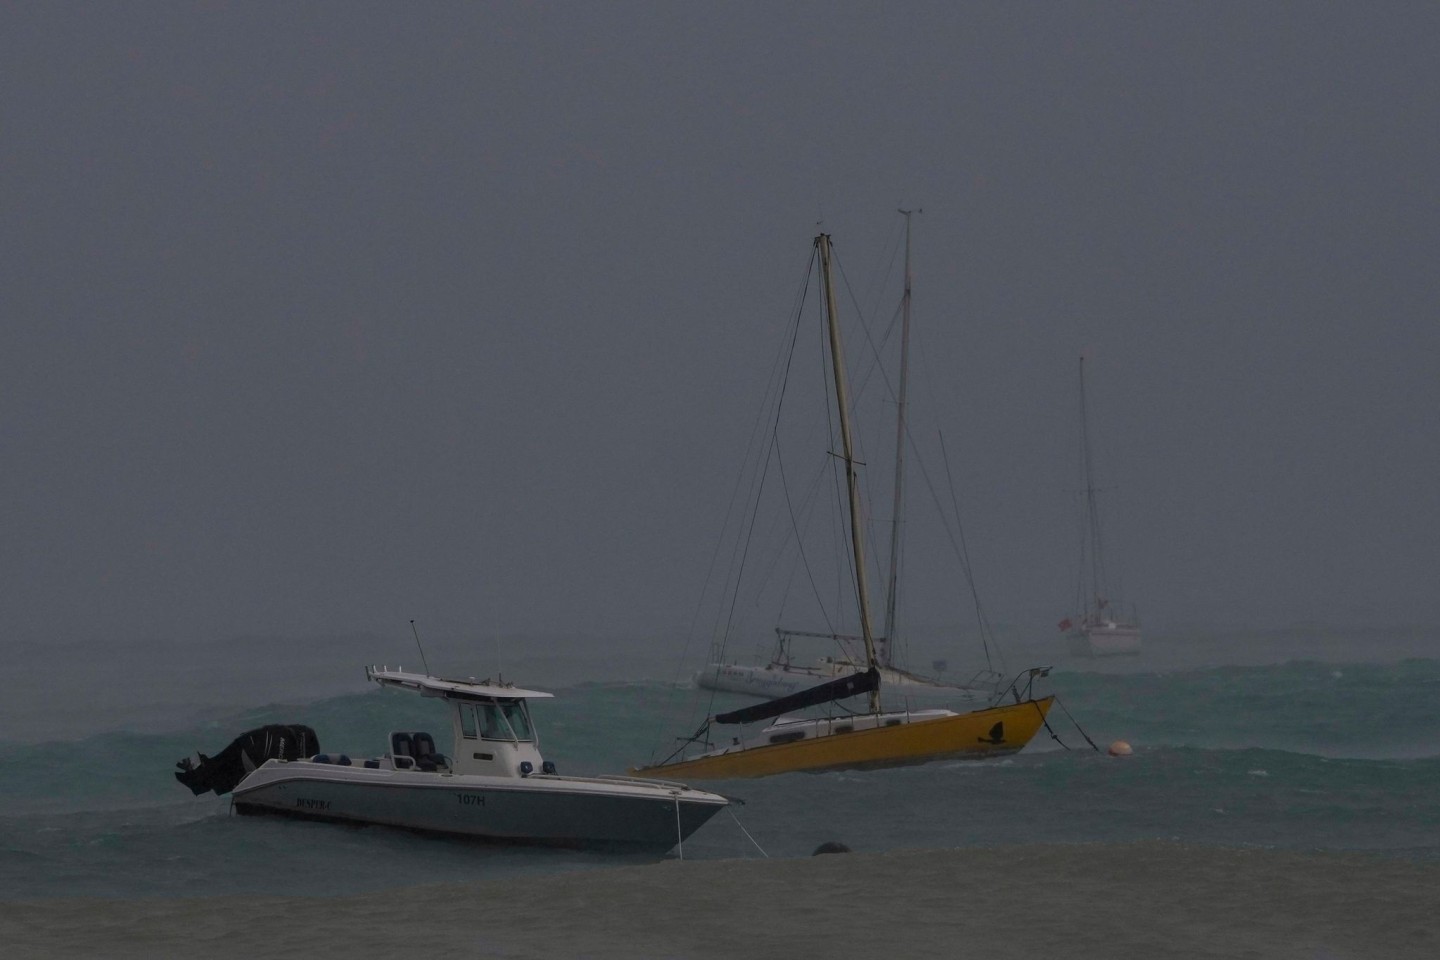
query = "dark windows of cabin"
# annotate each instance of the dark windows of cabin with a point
(519, 718)
(503, 720)
(492, 724)
(467, 721)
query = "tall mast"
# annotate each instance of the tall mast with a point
(842, 400)
(1092, 510)
(887, 642)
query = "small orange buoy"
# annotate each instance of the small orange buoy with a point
(1120, 749)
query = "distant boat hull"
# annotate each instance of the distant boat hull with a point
(776, 681)
(867, 741)
(1105, 639)
(540, 809)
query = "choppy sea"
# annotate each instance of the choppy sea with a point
(1282, 800)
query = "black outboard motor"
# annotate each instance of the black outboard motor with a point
(222, 772)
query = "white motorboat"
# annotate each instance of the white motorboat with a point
(493, 784)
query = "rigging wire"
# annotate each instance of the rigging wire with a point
(764, 470)
(927, 381)
(802, 558)
(872, 539)
(755, 433)
(957, 540)
(983, 623)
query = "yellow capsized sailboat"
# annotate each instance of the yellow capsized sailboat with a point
(876, 737)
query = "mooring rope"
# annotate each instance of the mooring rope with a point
(1055, 736)
(747, 832)
(1077, 725)
(679, 833)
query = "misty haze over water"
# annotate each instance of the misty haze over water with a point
(317, 319)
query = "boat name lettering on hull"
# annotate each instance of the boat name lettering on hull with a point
(305, 803)
(470, 799)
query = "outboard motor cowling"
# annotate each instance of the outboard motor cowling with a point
(220, 773)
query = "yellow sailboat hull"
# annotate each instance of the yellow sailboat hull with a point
(954, 737)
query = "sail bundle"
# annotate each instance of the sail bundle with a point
(851, 686)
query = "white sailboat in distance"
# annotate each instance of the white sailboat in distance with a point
(1097, 628)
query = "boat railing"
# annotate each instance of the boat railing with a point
(987, 678)
(1028, 676)
(613, 778)
(621, 778)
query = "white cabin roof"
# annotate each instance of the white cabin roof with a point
(428, 686)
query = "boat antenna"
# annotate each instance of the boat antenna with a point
(420, 648)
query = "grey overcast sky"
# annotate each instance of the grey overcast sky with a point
(318, 317)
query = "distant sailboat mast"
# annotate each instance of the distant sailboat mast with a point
(842, 400)
(1092, 509)
(887, 642)
(1104, 630)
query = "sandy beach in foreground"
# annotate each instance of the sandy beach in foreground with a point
(1150, 900)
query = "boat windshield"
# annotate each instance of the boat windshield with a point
(519, 718)
(504, 720)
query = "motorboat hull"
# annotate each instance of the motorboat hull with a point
(541, 809)
(891, 740)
